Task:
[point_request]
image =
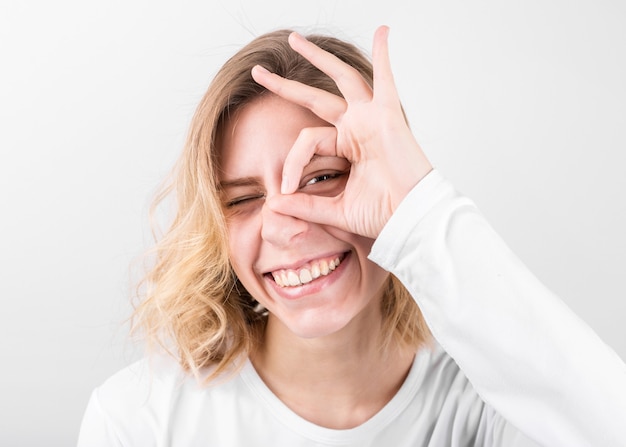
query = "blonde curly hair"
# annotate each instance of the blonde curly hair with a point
(192, 304)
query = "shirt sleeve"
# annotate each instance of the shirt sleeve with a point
(526, 353)
(96, 429)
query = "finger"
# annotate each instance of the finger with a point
(316, 209)
(324, 104)
(384, 84)
(349, 81)
(310, 141)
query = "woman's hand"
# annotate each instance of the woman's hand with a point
(368, 129)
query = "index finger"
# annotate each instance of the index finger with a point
(324, 104)
(310, 141)
(349, 81)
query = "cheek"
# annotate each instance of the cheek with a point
(374, 276)
(242, 245)
(362, 245)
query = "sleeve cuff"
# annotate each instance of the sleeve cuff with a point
(430, 191)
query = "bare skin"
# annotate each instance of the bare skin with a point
(322, 352)
(333, 374)
(337, 382)
(368, 129)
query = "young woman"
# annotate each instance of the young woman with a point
(311, 235)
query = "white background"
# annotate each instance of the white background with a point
(521, 104)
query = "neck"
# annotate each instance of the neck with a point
(336, 381)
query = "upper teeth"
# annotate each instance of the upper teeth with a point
(306, 274)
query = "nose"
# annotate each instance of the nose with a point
(281, 229)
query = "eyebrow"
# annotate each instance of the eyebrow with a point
(316, 157)
(239, 182)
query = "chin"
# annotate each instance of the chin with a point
(316, 329)
(324, 322)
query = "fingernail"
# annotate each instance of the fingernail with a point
(261, 69)
(385, 31)
(294, 36)
(284, 187)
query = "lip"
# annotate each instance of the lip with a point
(315, 286)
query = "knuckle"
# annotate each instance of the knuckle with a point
(309, 101)
(307, 133)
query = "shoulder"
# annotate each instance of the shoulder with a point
(449, 399)
(140, 394)
(155, 382)
(457, 408)
(441, 387)
(154, 398)
(128, 408)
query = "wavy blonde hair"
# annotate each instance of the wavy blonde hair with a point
(192, 304)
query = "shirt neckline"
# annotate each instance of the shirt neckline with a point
(364, 432)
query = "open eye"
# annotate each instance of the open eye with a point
(322, 178)
(324, 183)
(325, 176)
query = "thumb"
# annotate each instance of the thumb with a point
(311, 208)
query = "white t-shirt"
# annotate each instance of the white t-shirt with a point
(521, 359)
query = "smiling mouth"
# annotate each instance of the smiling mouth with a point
(308, 272)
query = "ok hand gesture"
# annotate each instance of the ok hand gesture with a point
(368, 129)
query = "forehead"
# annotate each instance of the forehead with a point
(260, 134)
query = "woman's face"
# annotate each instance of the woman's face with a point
(314, 279)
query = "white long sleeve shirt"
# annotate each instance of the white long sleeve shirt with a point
(512, 366)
